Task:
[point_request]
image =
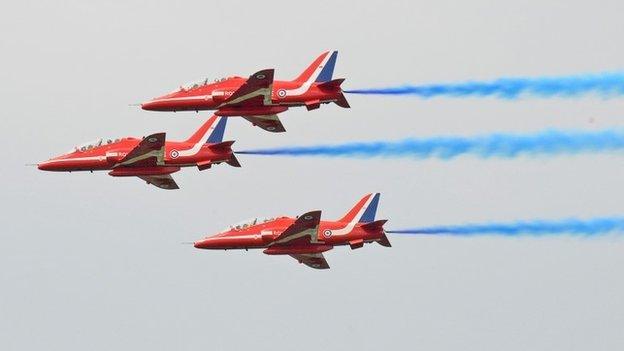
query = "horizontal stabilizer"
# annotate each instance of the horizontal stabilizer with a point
(384, 241)
(342, 101)
(332, 84)
(376, 225)
(233, 161)
(222, 146)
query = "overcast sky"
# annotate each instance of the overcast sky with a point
(92, 262)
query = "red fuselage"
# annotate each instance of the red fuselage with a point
(210, 96)
(108, 153)
(261, 235)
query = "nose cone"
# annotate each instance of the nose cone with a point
(212, 242)
(202, 244)
(46, 165)
(149, 106)
(63, 163)
(162, 103)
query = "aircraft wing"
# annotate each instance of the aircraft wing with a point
(256, 91)
(304, 231)
(269, 123)
(148, 153)
(161, 181)
(316, 260)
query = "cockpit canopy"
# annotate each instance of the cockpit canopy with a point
(249, 223)
(201, 83)
(94, 144)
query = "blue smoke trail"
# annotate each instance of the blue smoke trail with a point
(549, 142)
(572, 227)
(603, 84)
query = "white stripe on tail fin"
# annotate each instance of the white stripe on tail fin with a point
(364, 211)
(321, 70)
(214, 127)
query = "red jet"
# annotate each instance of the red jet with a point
(306, 237)
(259, 98)
(152, 158)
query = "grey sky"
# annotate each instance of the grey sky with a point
(92, 262)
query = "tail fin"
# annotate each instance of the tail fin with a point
(364, 211)
(217, 133)
(321, 69)
(215, 126)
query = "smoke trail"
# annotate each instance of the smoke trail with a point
(573, 227)
(604, 84)
(549, 142)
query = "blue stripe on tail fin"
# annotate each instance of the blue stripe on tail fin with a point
(217, 133)
(371, 210)
(328, 70)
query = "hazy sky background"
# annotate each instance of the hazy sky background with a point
(91, 262)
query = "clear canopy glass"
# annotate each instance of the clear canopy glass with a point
(201, 83)
(94, 144)
(249, 223)
(194, 85)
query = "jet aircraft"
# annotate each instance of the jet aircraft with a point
(151, 158)
(259, 98)
(305, 237)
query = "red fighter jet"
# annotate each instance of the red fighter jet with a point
(306, 237)
(259, 98)
(152, 158)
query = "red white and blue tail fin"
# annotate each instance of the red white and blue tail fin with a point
(321, 69)
(213, 129)
(215, 141)
(364, 211)
(216, 136)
